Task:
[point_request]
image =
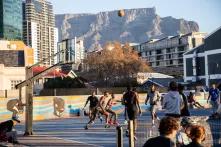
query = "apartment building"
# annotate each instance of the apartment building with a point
(39, 29)
(202, 64)
(168, 52)
(75, 51)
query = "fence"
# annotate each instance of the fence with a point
(212, 127)
(11, 93)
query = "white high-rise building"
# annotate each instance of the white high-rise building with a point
(75, 49)
(39, 29)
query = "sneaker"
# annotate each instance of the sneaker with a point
(125, 122)
(86, 127)
(107, 126)
(158, 118)
(92, 122)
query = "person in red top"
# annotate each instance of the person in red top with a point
(193, 102)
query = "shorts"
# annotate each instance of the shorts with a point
(132, 114)
(93, 110)
(215, 105)
(153, 108)
(101, 111)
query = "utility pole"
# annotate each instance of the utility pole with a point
(29, 103)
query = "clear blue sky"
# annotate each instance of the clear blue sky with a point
(206, 12)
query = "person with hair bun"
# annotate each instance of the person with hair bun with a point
(197, 134)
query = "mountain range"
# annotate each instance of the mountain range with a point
(137, 26)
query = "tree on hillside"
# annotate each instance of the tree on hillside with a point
(114, 64)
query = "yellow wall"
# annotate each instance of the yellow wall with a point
(19, 45)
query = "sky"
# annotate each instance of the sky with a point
(207, 13)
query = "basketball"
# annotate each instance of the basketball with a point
(121, 13)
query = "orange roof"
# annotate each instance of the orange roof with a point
(54, 73)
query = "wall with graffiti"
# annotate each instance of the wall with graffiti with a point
(52, 107)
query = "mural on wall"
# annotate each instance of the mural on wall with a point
(50, 107)
(15, 106)
(59, 106)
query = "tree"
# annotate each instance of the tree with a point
(114, 64)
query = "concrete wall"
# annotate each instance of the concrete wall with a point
(11, 93)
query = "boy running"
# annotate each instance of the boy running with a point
(108, 108)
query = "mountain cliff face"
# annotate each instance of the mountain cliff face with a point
(138, 25)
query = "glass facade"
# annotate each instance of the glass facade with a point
(11, 19)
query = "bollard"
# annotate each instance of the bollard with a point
(131, 133)
(119, 136)
(55, 92)
(6, 93)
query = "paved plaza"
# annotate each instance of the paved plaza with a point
(70, 132)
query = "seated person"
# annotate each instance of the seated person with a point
(197, 134)
(6, 131)
(193, 102)
(168, 129)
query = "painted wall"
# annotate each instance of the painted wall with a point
(44, 107)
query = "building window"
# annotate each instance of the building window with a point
(159, 52)
(194, 42)
(15, 82)
(180, 41)
(150, 53)
(171, 62)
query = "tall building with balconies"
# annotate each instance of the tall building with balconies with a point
(39, 29)
(11, 19)
(166, 55)
(75, 50)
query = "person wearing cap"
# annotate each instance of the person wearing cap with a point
(172, 101)
(182, 137)
(7, 134)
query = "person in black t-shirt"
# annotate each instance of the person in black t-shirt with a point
(133, 108)
(92, 108)
(168, 129)
(6, 131)
(185, 110)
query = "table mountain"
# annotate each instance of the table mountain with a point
(138, 25)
